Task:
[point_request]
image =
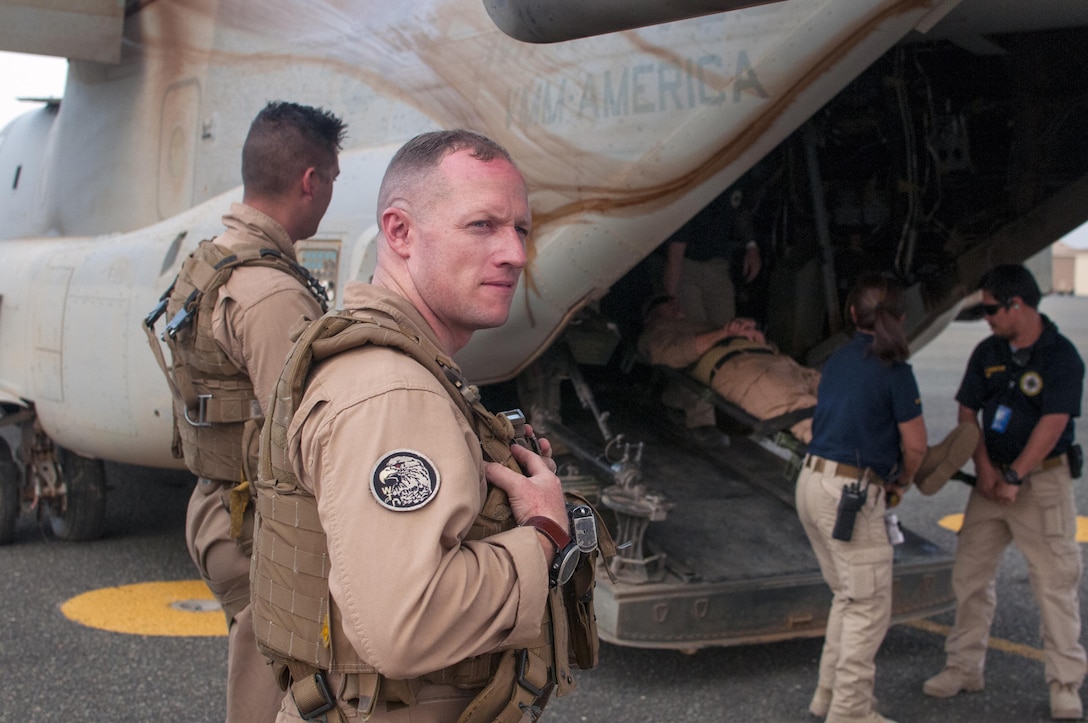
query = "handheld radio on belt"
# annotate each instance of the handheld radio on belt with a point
(852, 500)
(854, 496)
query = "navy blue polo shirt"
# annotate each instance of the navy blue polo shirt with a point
(717, 231)
(1014, 391)
(861, 403)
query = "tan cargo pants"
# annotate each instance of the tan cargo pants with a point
(1042, 522)
(859, 573)
(252, 692)
(706, 292)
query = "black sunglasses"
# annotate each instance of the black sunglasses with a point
(991, 309)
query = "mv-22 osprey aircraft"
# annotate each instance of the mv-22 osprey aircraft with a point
(926, 138)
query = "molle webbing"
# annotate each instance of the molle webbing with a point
(195, 294)
(291, 607)
(214, 401)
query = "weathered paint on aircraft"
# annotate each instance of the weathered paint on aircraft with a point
(621, 137)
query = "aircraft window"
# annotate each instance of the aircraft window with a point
(321, 257)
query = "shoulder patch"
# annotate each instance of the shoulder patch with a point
(404, 480)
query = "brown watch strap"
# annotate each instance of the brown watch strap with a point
(551, 530)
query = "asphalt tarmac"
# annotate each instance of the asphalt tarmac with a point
(57, 669)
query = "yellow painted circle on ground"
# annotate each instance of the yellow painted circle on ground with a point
(181, 608)
(955, 522)
(952, 522)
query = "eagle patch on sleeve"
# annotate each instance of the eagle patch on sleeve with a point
(404, 480)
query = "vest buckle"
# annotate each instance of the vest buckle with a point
(202, 415)
(523, 668)
(311, 696)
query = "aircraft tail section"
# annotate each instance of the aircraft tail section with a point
(25, 150)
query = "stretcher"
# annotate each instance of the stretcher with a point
(771, 428)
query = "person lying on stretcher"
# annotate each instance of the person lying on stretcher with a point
(736, 361)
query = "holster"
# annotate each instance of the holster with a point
(1075, 455)
(584, 644)
(581, 618)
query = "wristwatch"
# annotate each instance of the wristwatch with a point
(567, 554)
(1012, 477)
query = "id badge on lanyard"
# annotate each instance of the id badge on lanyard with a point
(1001, 419)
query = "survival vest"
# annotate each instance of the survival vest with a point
(298, 627)
(216, 413)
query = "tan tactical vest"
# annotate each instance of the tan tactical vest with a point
(295, 622)
(216, 413)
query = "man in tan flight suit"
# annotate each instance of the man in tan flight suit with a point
(289, 163)
(395, 467)
(735, 360)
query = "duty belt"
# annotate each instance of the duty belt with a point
(838, 469)
(1048, 463)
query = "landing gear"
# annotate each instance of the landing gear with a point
(67, 490)
(78, 513)
(10, 486)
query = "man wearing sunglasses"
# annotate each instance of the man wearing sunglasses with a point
(1027, 381)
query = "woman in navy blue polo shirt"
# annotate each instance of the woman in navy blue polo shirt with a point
(868, 441)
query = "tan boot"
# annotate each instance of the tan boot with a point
(870, 717)
(951, 681)
(1065, 702)
(821, 702)
(943, 460)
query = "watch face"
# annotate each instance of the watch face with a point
(565, 563)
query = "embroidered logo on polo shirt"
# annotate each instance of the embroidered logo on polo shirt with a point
(990, 371)
(404, 480)
(1031, 383)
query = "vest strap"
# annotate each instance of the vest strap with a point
(520, 688)
(313, 700)
(716, 357)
